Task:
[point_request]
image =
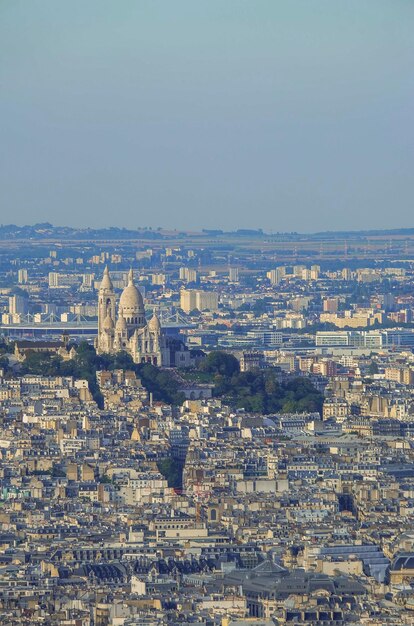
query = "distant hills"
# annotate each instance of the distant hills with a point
(48, 231)
(44, 231)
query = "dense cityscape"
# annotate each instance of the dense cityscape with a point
(211, 428)
(206, 313)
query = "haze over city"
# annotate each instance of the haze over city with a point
(276, 115)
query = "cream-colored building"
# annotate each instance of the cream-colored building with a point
(130, 331)
(191, 299)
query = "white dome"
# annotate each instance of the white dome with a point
(131, 300)
(154, 324)
(121, 324)
(108, 323)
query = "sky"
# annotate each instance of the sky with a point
(293, 115)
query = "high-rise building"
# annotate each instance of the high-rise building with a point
(298, 269)
(191, 276)
(207, 300)
(64, 280)
(316, 270)
(188, 300)
(276, 276)
(88, 280)
(158, 279)
(53, 279)
(191, 299)
(188, 275)
(234, 274)
(22, 277)
(17, 304)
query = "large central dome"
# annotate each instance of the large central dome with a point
(131, 302)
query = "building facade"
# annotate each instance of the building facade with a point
(191, 299)
(129, 330)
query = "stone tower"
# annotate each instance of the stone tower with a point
(106, 307)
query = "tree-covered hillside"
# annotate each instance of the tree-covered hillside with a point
(258, 391)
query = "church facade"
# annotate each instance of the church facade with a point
(125, 328)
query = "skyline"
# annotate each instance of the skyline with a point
(206, 313)
(286, 118)
(206, 429)
(39, 226)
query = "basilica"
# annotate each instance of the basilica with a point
(129, 331)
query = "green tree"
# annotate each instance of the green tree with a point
(42, 363)
(260, 391)
(172, 470)
(373, 368)
(161, 383)
(218, 362)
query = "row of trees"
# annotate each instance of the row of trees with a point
(84, 365)
(257, 391)
(87, 362)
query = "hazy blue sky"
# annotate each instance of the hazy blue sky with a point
(285, 115)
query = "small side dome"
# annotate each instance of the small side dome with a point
(108, 323)
(121, 324)
(154, 324)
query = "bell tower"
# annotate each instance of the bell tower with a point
(106, 305)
